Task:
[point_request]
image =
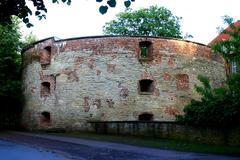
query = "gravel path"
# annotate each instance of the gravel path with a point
(80, 149)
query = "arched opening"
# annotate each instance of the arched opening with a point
(45, 118)
(48, 48)
(145, 117)
(45, 89)
(146, 86)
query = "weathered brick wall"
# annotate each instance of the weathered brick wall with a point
(100, 79)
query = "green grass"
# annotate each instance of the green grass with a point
(157, 143)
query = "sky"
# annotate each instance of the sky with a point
(200, 18)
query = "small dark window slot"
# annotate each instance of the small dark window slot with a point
(45, 89)
(145, 49)
(145, 117)
(45, 118)
(146, 86)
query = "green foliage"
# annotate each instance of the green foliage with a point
(10, 75)
(112, 3)
(219, 107)
(206, 89)
(20, 9)
(103, 9)
(30, 38)
(229, 49)
(234, 87)
(152, 21)
(127, 3)
(143, 52)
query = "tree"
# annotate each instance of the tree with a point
(29, 38)
(219, 107)
(10, 72)
(153, 21)
(20, 9)
(112, 3)
(229, 48)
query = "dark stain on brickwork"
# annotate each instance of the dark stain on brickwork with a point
(182, 81)
(114, 56)
(167, 76)
(78, 61)
(41, 75)
(110, 103)
(86, 105)
(170, 61)
(156, 92)
(91, 63)
(172, 95)
(119, 84)
(97, 102)
(33, 89)
(102, 115)
(172, 110)
(72, 75)
(124, 92)
(98, 72)
(111, 67)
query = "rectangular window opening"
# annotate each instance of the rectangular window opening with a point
(144, 52)
(145, 49)
(45, 89)
(146, 86)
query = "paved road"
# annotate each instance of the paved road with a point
(13, 151)
(80, 149)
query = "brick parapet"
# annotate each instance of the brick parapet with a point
(102, 45)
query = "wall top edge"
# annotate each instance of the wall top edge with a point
(55, 39)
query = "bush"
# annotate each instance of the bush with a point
(219, 107)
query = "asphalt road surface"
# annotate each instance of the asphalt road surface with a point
(14, 151)
(81, 149)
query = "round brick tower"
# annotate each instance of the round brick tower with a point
(112, 78)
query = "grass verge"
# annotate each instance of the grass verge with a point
(156, 143)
